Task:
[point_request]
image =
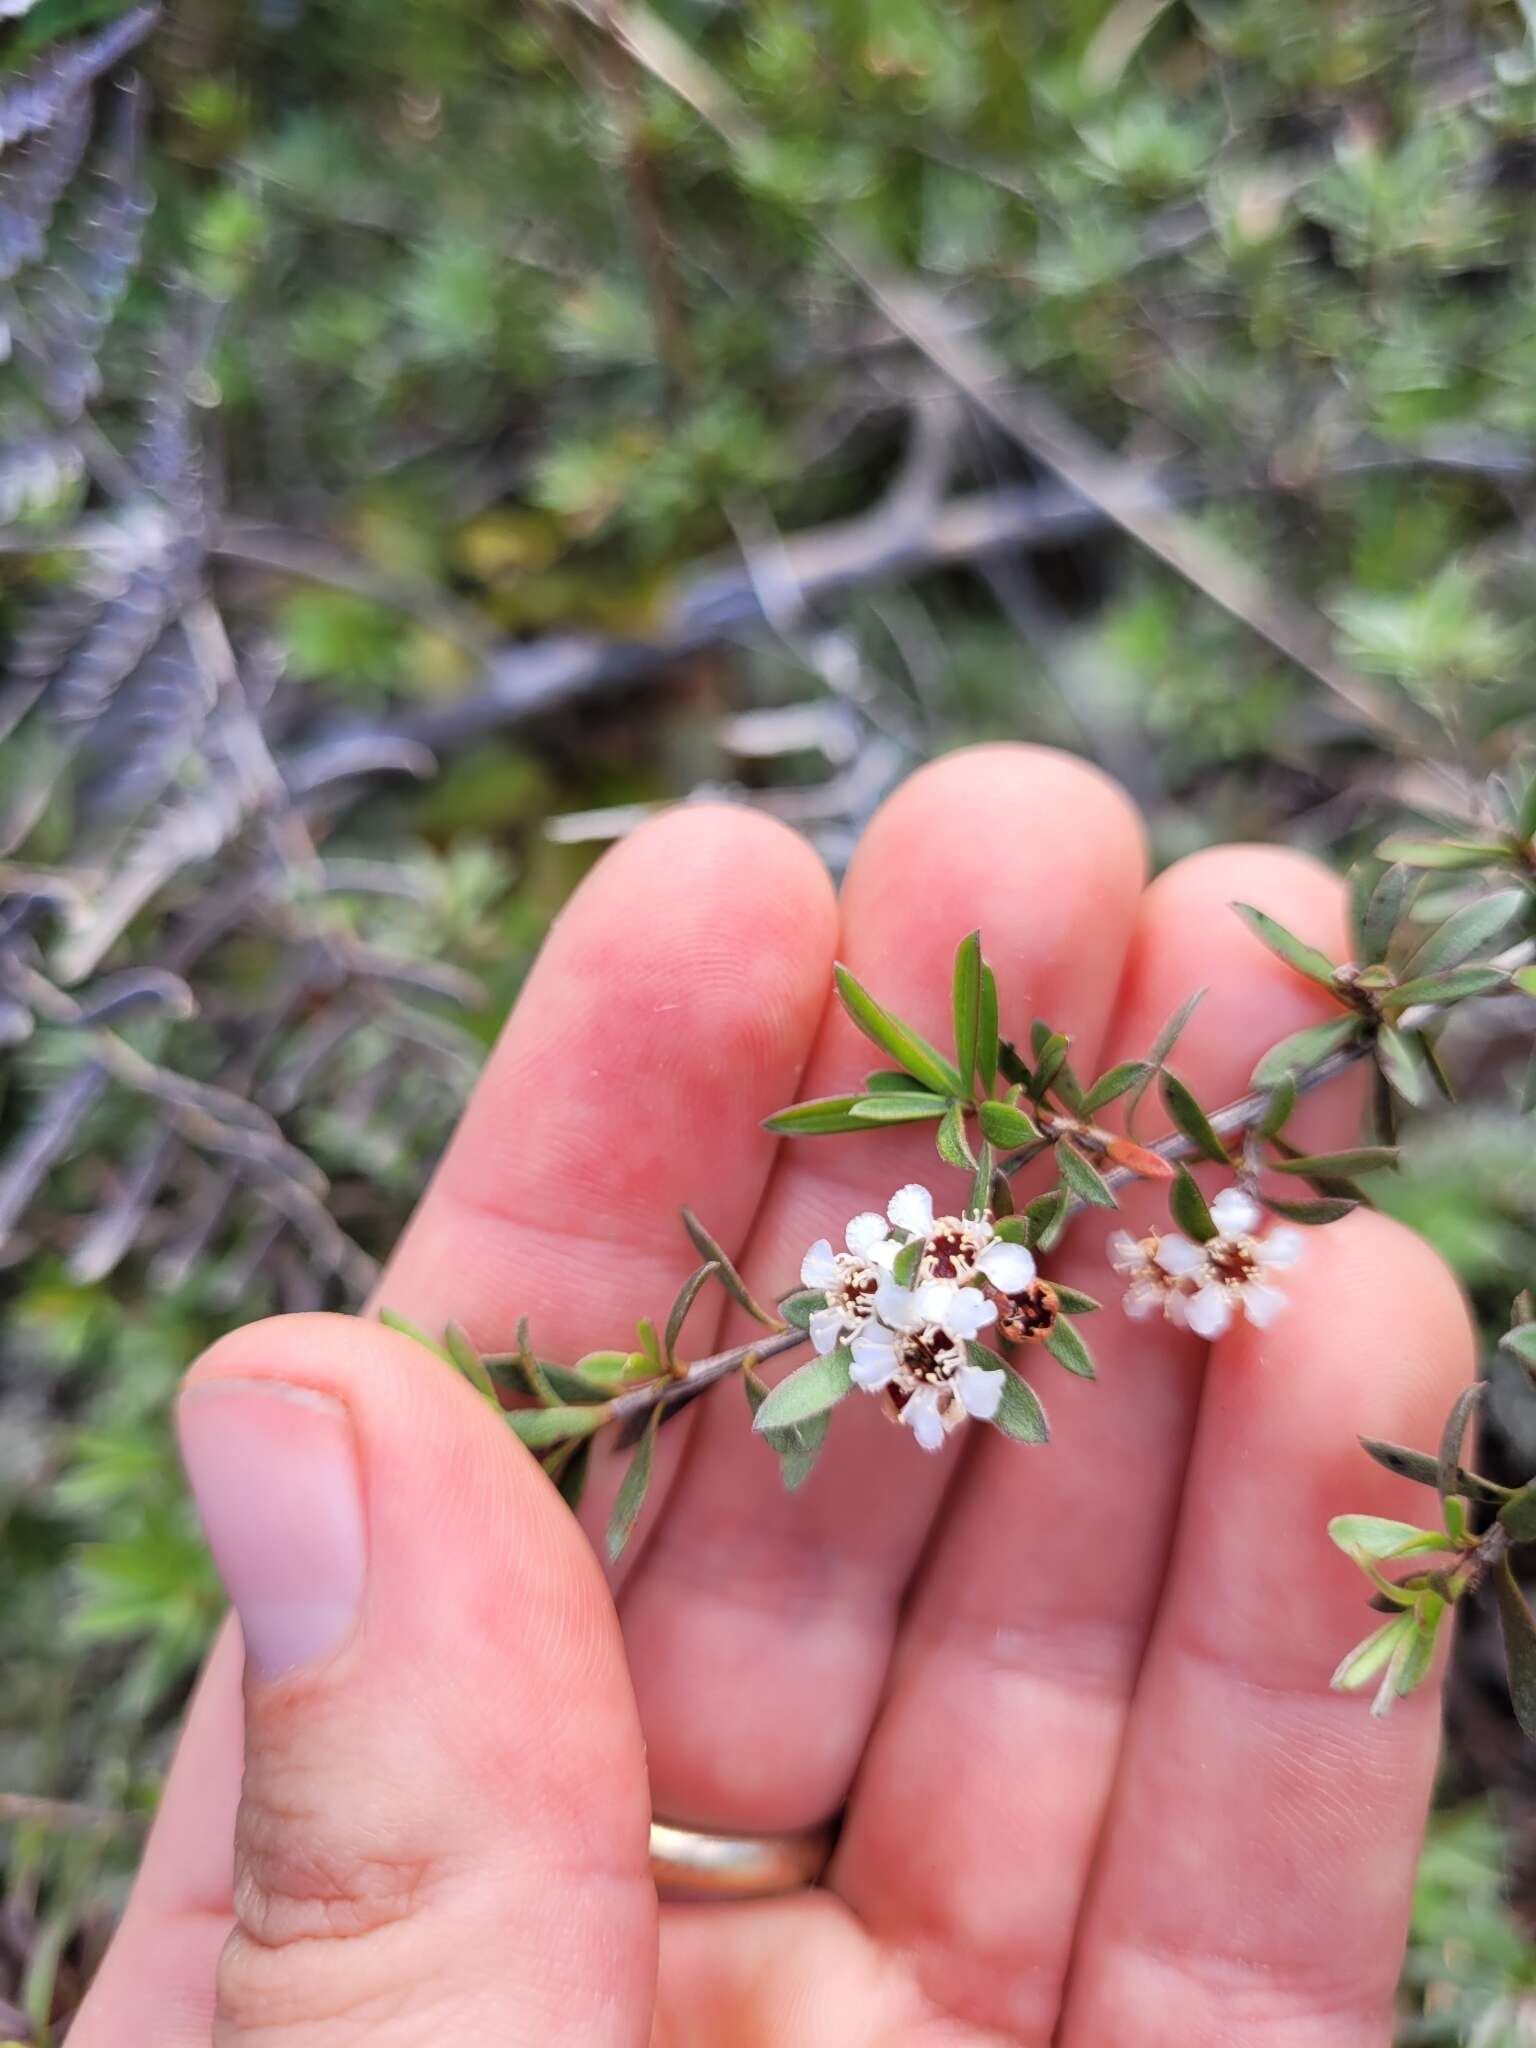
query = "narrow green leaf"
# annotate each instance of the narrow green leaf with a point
(1413, 1656)
(1305, 1048)
(1068, 1349)
(797, 1448)
(1401, 1059)
(826, 1116)
(1020, 1414)
(1384, 912)
(1073, 1302)
(707, 1248)
(631, 1495)
(1519, 1647)
(885, 1081)
(953, 1147)
(1468, 931)
(1330, 1165)
(914, 1107)
(797, 1308)
(811, 1391)
(1188, 1207)
(1081, 1179)
(1325, 1209)
(987, 1031)
(687, 1295)
(1376, 1537)
(1443, 853)
(1282, 1103)
(1050, 1058)
(1294, 952)
(1522, 1342)
(570, 1475)
(1420, 1466)
(981, 1185)
(540, 1427)
(469, 1362)
(1371, 1656)
(1007, 1126)
(924, 1062)
(1518, 1514)
(531, 1371)
(1012, 1065)
(404, 1327)
(905, 1264)
(967, 1009)
(1173, 1030)
(1454, 986)
(606, 1368)
(1191, 1119)
(1113, 1083)
(1044, 1219)
(1448, 1463)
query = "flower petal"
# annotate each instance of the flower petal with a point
(922, 1417)
(1283, 1247)
(980, 1391)
(1176, 1255)
(1236, 1213)
(967, 1315)
(819, 1266)
(933, 1300)
(864, 1233)
(911, 1208)
(1141, 1299)
(1262, 1304)
(1009, 1267)
(1124, 1252)
(874, 1357)
(895, 1305)
(1209, 1312)
(826, 1328)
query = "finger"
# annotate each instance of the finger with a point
(444, 1788)
(758, 1625)
(1023, 1638)
(1256, 1874)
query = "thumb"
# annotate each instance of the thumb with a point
(442, 1832)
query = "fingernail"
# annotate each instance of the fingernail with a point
(273, 1469)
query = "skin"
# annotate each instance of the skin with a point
(1076, 1699)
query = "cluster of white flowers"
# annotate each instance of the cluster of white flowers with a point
(908, 1342)
(1203, 1287)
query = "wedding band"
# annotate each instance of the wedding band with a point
(690, 1863)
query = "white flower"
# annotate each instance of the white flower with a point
(1231, 1274)
(1151, 1285)
(851, 1279)
(916, 1356)
(959, 1247)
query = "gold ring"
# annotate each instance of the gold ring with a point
(689, 1863)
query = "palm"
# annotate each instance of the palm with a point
(1075, 1699)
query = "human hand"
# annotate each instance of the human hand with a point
(1075, 1701)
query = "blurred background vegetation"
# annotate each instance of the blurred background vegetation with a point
(432, 435)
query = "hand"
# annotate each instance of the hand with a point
(1075, 1699)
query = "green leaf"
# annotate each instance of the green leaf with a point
(797, 1308)
(1401, 1059)
(404, 1327)
(1383, 913)
(1448, 1463)
(967, 1008)
(1468, 930)
(1369, 1657)
(987, 1030)
(1305, 1048)
(1068, 1349)
(1192, 1120)
(1044, 1219)
(1331, 1165)
(1050, 1057)
(826, 1116)
(1019, 1413)
(1519, 1646)
(1443, 853)
(924, 1062)
(1188, 1207)
(1521, 1341)
(951, 1141)
(631, 1494)
(1294, 952)
(1420, 1466)
(687, 1295)
(1282, 1102)
(797, 1448)
(707, 1248)
(1325, 1209)
(605, 1368)
(1454, 986)
(534, 1376)
(812, 1390)
(1518, 1514)
(1114, 1083)
(1412, 1657)
(540, 1427)
(1007, 1126)
(1073, 1301)
(914, 1107)
(471, 1364)
(1376, 1537)
(981, 1185)
(904, 1265)
(884, 1081)
(1082, 1180)
(571, 1476)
